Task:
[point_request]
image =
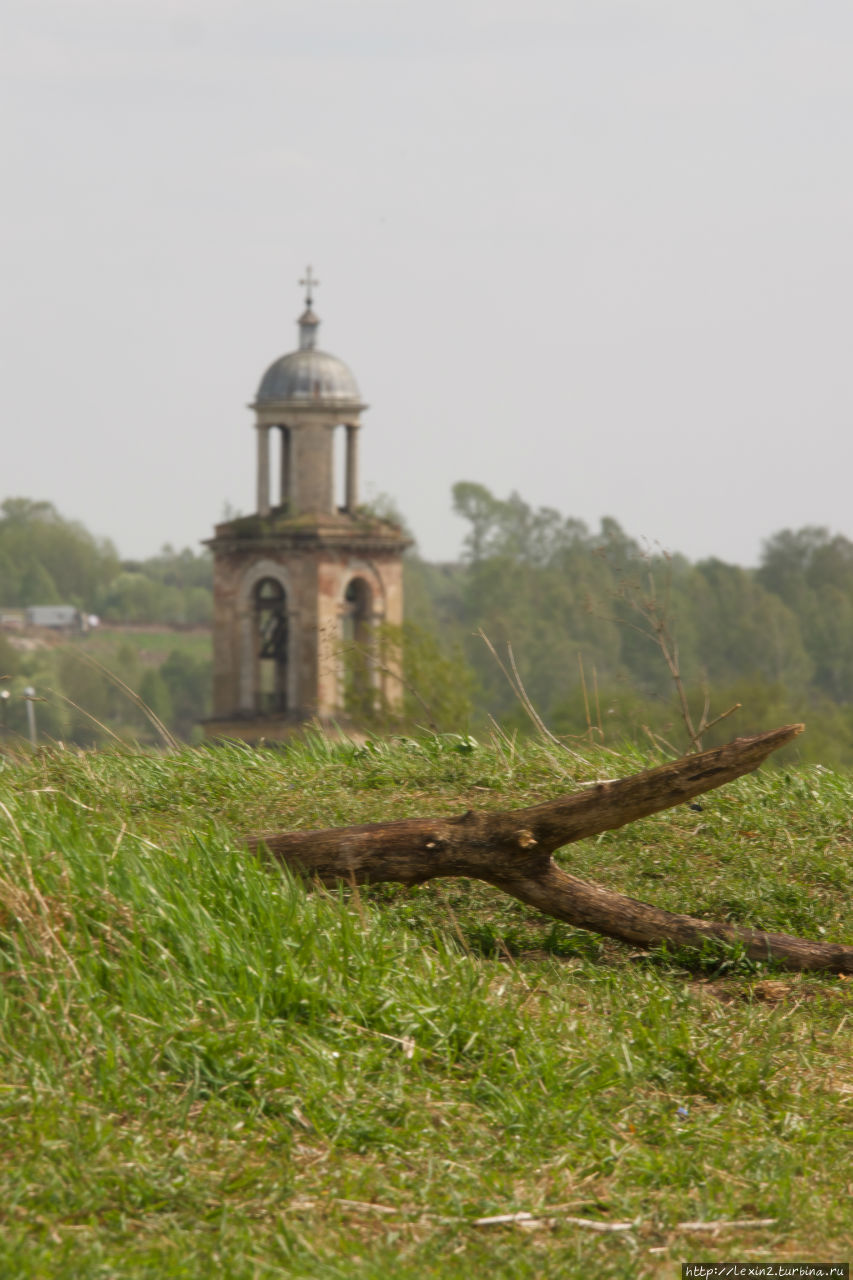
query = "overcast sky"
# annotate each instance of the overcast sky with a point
(598, 251)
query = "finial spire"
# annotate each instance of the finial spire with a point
(308, 322)
(309, 283)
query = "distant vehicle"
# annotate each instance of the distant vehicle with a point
(59, 617)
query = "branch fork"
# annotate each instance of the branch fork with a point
(512, 850)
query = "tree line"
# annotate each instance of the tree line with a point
(95, 691)
(47, 559)
(585, 611)
(588, 615)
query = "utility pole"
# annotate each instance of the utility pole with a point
(29, 694)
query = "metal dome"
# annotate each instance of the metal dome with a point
(310, 376)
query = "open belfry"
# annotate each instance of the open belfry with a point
(302, 587)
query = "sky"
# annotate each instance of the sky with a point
(595, 251)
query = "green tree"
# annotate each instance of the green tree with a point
(131, 597)
(187, 682)
(10, 580)
(37, 586)
(9, 660)
(744, 629)
(474, 503)
(43, 548)
(198, 606)
(154, 692)
(794, 561)
(174, 588)
(437, 682)
(828, 631)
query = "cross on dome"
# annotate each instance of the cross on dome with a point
(309, 283)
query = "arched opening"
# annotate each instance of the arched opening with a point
(359, 667)
(271, 631)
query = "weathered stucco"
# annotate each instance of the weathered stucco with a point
(315, 566)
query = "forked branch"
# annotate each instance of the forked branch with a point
(512, 850)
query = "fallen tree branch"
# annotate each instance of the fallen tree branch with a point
(512, 850)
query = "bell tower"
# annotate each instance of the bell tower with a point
(302, 587)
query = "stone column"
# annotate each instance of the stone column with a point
(351, 500)
(263, 470)
(285, 496)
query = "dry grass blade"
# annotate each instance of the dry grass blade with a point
(515, 683)
(169, 738)
(83, 712)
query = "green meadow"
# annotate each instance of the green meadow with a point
(210, 1069)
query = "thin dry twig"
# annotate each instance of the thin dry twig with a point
(656, 618)
(546, 1219)
(597, 702)
(721, 1224)
(659, 742)
(515, 683)
(585, 698)
(365, 1205)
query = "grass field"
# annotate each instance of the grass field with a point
(209, 1070)
(153, 644)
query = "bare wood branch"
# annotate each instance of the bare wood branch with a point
(512, 850)
(724, 715)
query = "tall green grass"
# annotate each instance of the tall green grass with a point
(207, 1068)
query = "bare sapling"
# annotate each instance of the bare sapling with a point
(656, 625)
